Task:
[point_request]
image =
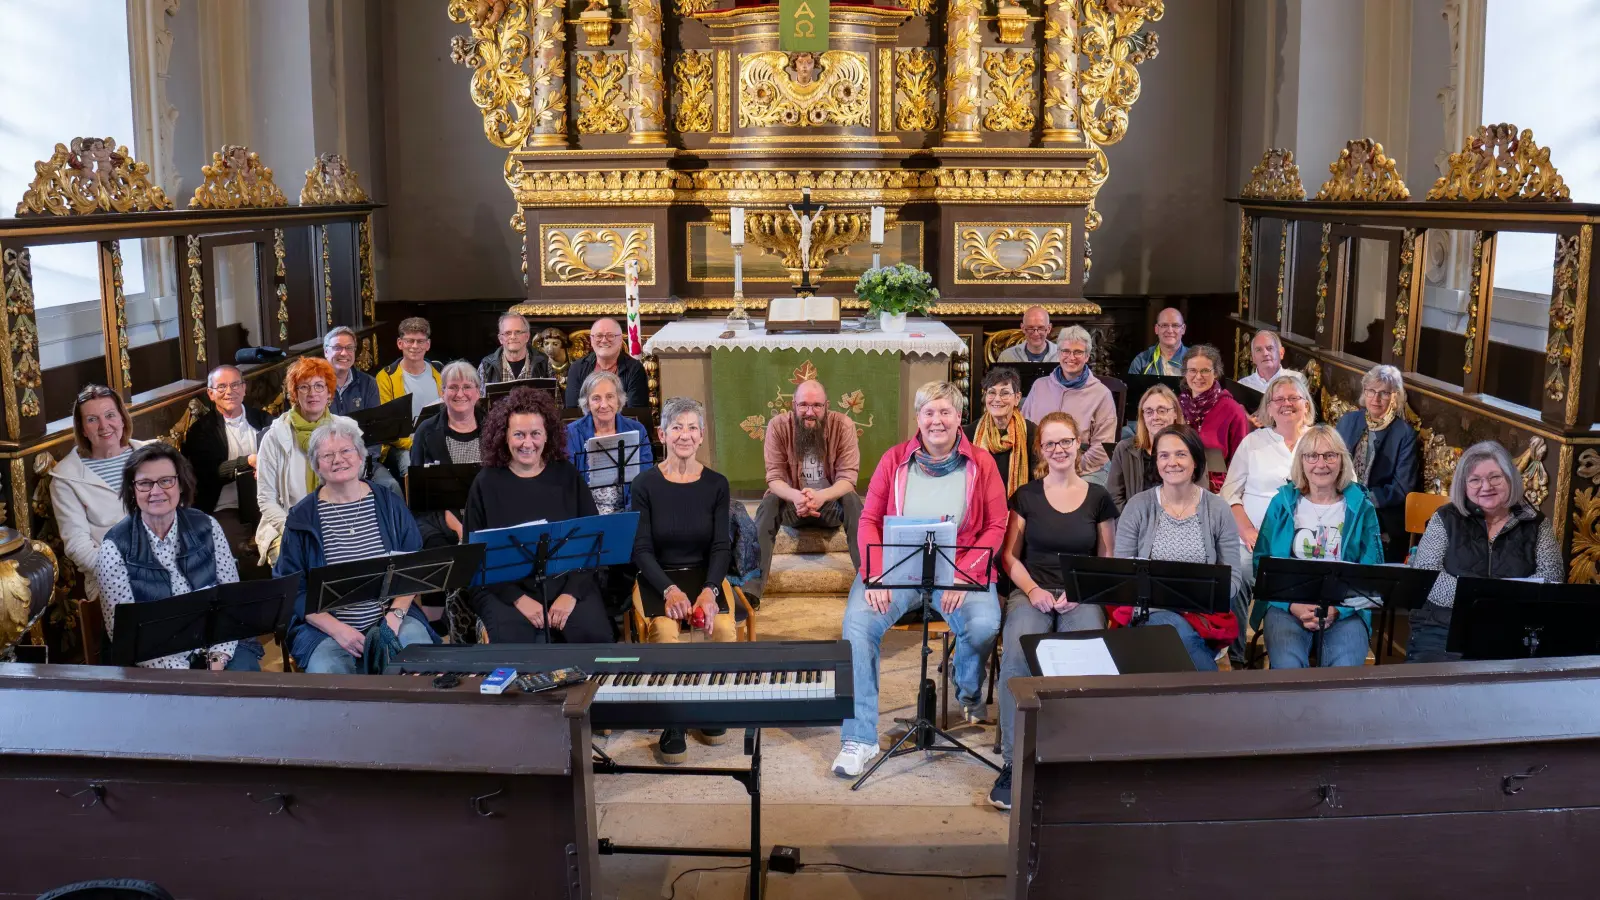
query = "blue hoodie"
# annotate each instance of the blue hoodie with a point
(1358, 539)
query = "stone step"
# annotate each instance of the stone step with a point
(810, 540)
(810, 573)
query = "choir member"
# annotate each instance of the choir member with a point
(1133, 461)
(86, 485)
(1003, 431)
(1071, 388)
(1384, 447)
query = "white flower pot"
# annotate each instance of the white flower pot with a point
(894, 323)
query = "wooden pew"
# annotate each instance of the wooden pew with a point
(1478, 779)
(219, 785)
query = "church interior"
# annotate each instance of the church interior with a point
(397, 392)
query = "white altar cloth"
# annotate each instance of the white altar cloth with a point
(922, 336)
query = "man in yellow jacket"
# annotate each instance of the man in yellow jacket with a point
(412, 374)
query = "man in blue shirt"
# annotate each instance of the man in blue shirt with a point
(1165, 357)
(355, 390)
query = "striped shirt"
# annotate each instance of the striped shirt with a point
(350, 533)
(110, 470)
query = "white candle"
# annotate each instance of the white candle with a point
(736, 226)
(877, 225)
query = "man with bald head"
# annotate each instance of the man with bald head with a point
(605, 339)
(1036, 345)
(813, 460)
(1165, 357)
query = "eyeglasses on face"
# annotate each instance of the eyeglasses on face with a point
(414, 341)
(1063, 444)
(1291, 400)
(808, 405)
(1482, 481)
(1326, 456)
(1378, 393)
(604, 337)
(342, 453)
(1157, 410)
(231, 387)
(1208, 370)
(1000, 393)
(313, 389)
(146, 485)
(342, 348)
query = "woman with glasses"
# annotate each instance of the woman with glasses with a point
(448, 437)
(165, 547)
(284, 471)
(1263, 462)
(1322, 513)
(1384, 447)
(1072, 388)
(1209, 409)
(1009, 438)
(86, 485)
(601, 402)
(1488, 529)
(1133, 462)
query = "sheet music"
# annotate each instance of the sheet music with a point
(1085, 656)
(896, 571)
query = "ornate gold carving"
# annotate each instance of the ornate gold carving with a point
(119, 309)
(885, 89)
(1012, 22)
(197, 308)
(919, 7)
(957, 308)
(778, 234)
(1313, 370)
(917, 90)
(1363, 172)
(691, 79)
(1276, 177)
(838, 94)
(1581, 307)
(783, 184)
(236, 179)
(1028, 253)
(22, 341)
(1497, 164)
(369, 281)
(687, 7)
(568, 253)
(329, 181)
(1322, 275)
(1474, 297)
(1438, 459)
(1241, 352)
(724, 91)
(1402, 303)
(88, 177)
(610, 187)
(279, 255)
(601, 93)
(647, 82)
(961, 52)
(367, 359)
(595, 22)
(1011, 85)
(1535, 477)
(1563, 309)
(1334, 407)
(1247, 240)
(327, 272)
(283, 315)
(180, 429)
(1113, 42)
(1585, 552)
(609, 308)
(497, 52)
(1032, 185)
(997, 342)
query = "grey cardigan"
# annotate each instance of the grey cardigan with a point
(1136, 530)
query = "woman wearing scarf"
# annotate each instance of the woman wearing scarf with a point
(1004, 429)
(284, 473)
(939, 474)
(1071, 388)
(1384, 447)
(1211, 411)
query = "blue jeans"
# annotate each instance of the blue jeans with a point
(974, 625)
(246, 657)
(1289, 643)
(331, 659)
(1430, 632)
(1204, 658)
(1023, 618)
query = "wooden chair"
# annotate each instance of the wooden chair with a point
(634, 624)
(91, 629)
(1420, 508)
(1119, 394)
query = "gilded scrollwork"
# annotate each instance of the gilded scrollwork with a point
(1334, 406)
(279, 254)
(1011, 89)
(689, 7)
(692, 94)
(1474, 298)
(119, 310)
(602, 93)
(1114, 42)
(613, 308)
(836, 93)
(1563, 311)
(1276, 177)
(916, 90)
(1363, 172)
(587, 254)
(1030, 253)
(497, 51)
(1322, 275)
(283, 315)
(330, 181)
(1535, 477)
(1402, 302)
(724, 92)
(595, 187)
(197, 308)
(1499, 164)
(778, 234)
(369, 280)
(236, 179)
(327, 272)
(91, 175)
(23, 337)
(962, 48)
(647, 89)
(1247, 228)
(885, 89)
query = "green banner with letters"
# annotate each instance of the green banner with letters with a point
(803, 25)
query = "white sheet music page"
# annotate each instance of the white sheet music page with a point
(1078, 656)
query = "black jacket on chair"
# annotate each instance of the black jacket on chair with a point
(206, 447)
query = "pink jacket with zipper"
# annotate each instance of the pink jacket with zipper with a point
(983, 524)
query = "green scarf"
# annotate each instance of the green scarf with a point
(302, 439)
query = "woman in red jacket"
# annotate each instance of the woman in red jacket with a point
(937, 474)
(1210, 409)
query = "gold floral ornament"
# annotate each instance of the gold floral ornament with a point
(1363, 172)
(691, 96)
(236, 179)
(1499, 164)
(778, 234)
(1113, 43)
(569, 252)
(330, 181)
(1276, 177)
(1563, 312)
(804, 90)
(1402, 301)
(918, 92)
(601, 93)
(991, 257)
(1011, 87)
(1535, 478)
(24, 348)
(91, 175)
(496, 52)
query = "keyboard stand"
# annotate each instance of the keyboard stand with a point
(750, 778)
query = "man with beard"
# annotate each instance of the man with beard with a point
(812, 462)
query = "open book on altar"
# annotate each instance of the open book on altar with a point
(814, 314)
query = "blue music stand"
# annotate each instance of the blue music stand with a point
(539, 551)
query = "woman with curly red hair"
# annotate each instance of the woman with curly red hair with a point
(527, 477)
(284, 473)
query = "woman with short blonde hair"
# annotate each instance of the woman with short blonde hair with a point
(1383, 447)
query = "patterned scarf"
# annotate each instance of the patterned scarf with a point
(1014, 438)
(1071, 384)
(302, 439)
(940, 466)
(1197, 406)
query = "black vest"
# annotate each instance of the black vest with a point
(196, 559)
(1469, 552)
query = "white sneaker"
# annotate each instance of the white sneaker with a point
(973, 712)
(853, 758)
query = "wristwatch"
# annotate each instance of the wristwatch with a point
(716, 592)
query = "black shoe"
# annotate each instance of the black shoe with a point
(755, 600)
(1000, 794)
(712, 736)
(674, 749)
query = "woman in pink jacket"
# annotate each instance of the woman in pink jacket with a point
(937, 474)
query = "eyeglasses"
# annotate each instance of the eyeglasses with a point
(811, 406)
(1378, 394)
(345, 453)
(314, 389)
(1199, 371)
(1291, 400)
(342, 348)
(1036, 329)
(1493, 481)
(414, 342)
(515, 332)
(230, 388)
(999, 393)
(604, 337)
(165, 482)
(1326, 456)
(1075, 354)
(1157, 410)
(1053, 446)
(1167, 326)
(460, 389)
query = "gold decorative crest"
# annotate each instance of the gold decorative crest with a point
(1113, 43)
(602, 94)
(1498, 164)
(1276, 177)
(831, 88)
(1363, 172)
(1011, 87)
(1012, 254)
(236, 179)
(586, 254)
(916, 89)
(691, 91)
(92, 175)
(331, 181)
(497, 53)
(686, 7)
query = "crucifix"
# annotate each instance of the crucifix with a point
(806, 215)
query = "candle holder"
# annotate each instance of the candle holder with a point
(738, 318)
(877, 255)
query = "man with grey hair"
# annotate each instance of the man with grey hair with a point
(605, 339)
(221, 445)
(1266, 351)
(355, 389)
(813, 460)
(1165, 356)
(514, 360)
(1036, 345)
(1071, 388)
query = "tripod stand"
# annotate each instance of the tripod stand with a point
(921, 733)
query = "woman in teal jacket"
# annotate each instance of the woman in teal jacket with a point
(1321, 514)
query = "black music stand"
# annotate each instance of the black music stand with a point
(1136, 651)
(191, 623)
(1329, 583)
(438, 487)
(383, 578)
(550, 548)
(1137, 385)
(1148, 584)
(1248, 397)
(1497, 618)
(1029, 372)
(925, 558)
(613, 459)
(495, 390)
(386, 422)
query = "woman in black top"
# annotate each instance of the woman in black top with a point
(1009, 438)
(1057, 513)
(527, 477)
(682, 545)
(448, 437)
